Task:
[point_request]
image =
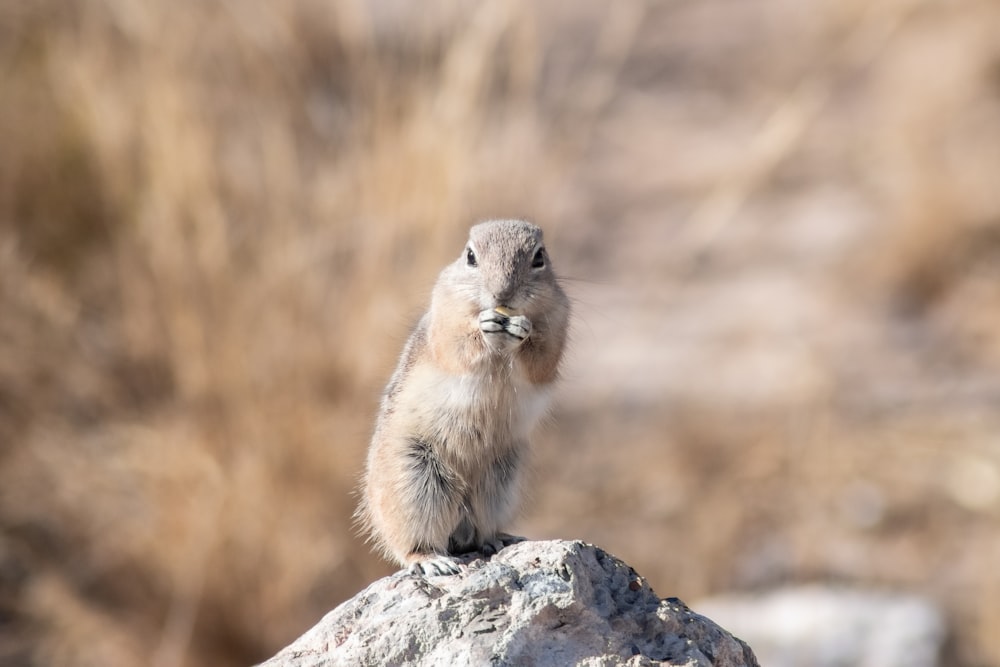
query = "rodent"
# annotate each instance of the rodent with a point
(448, 453)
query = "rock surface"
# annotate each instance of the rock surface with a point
(534, 603)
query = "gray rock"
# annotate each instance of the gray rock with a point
(828, 627)
(534, 603)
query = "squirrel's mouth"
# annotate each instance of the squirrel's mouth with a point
(504, 310)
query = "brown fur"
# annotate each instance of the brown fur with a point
(446, 458)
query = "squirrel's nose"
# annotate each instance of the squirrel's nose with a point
(504, 296)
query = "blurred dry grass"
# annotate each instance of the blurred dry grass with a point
(217, 221)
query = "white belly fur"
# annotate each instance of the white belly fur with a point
(503, 405)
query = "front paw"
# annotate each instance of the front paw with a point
(496, 322)
(519, 327)
(490, 321)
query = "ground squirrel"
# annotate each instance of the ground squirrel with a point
(447, 456)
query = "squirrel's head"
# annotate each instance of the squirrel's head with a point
(504, 264)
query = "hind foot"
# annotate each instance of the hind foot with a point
(433, 565)
(501, 540)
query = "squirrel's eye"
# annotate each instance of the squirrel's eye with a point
(538, 261)
(470, 257)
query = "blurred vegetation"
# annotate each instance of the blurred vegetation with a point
(781, 225)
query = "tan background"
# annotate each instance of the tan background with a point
(779, 221)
